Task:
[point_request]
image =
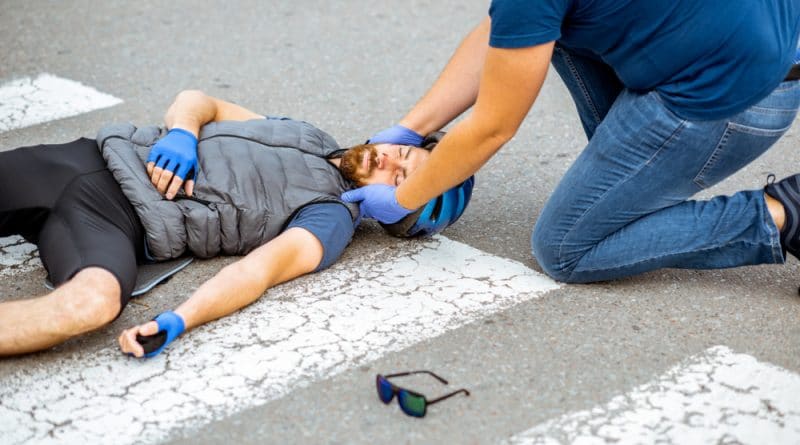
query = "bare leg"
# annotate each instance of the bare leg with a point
(90, 300)
(776, 211)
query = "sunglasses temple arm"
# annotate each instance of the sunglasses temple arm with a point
(447, 396)
(401, 374)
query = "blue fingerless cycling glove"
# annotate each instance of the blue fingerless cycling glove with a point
(170, 326)
(397, 134)
(176, 152)
(377, 201)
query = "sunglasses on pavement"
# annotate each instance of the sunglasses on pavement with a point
(411, 402)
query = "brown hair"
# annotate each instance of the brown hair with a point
(351, 163)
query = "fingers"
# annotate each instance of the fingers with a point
(128, 343)
(149, 328)
(353, 195)
(127, 340)
(167, 181)
(173, 187)
(166, 177)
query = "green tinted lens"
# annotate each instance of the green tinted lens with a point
(412, 404)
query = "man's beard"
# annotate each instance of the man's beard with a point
(352, 162)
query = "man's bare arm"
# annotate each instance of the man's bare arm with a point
(293, 253)
(192, 109)
(456, 88)
(510, 82)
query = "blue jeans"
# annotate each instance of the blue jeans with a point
(623, 207)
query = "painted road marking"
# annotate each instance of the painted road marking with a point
(713, 398)
(17, 256)
(384, 301)
(25, 102)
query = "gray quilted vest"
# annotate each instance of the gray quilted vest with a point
(253, 176)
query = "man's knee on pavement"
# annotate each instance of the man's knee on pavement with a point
(89, 300)
(547, 255)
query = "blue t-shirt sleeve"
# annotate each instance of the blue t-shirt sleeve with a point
(523, 23)
(331, 223)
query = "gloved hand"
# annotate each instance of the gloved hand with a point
(174, 153)
(377, 201)
(397, 134)
(153, 336)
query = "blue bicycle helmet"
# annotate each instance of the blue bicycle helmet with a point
(439, 212)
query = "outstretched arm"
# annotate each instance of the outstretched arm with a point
(293, 253)
(190, 110)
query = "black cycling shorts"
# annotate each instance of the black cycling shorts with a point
(63, 199)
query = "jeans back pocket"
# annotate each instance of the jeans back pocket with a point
(738, 146)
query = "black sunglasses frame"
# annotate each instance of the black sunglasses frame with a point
(396, 390)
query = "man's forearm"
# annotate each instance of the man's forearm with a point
(225, 293)
(457, 86)
(190, 111)
(511, 80)
(295, 252)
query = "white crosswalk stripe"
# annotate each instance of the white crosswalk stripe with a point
(350, 314)
(716, 397)
(30, 101)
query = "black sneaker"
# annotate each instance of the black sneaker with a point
(787, 192)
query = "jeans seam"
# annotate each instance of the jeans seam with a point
(582, 85)
(774, 234)
(698, 179)
(771, 111)
(671, 137)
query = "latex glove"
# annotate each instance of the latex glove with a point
(377, 201)
(172, 158)
(149, 339)
(397, 134)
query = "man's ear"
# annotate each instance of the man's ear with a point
(381, 159)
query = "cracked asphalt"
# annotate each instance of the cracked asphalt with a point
(346, 317)
(542, 366)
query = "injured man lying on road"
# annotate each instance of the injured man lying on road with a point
(267, 189)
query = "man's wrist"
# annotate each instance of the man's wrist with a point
(417, 127)
(187, 317)
(185, 131)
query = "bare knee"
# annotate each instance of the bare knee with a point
(89, 300)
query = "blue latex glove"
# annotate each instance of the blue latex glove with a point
(397, 134)
(170, 326)
(176, 152)
(377, 201)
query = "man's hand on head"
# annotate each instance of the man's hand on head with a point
(171, 159)
(378, 201)
(397, 134)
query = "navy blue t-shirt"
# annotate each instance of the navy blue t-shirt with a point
(331, 223)
(707, 58)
